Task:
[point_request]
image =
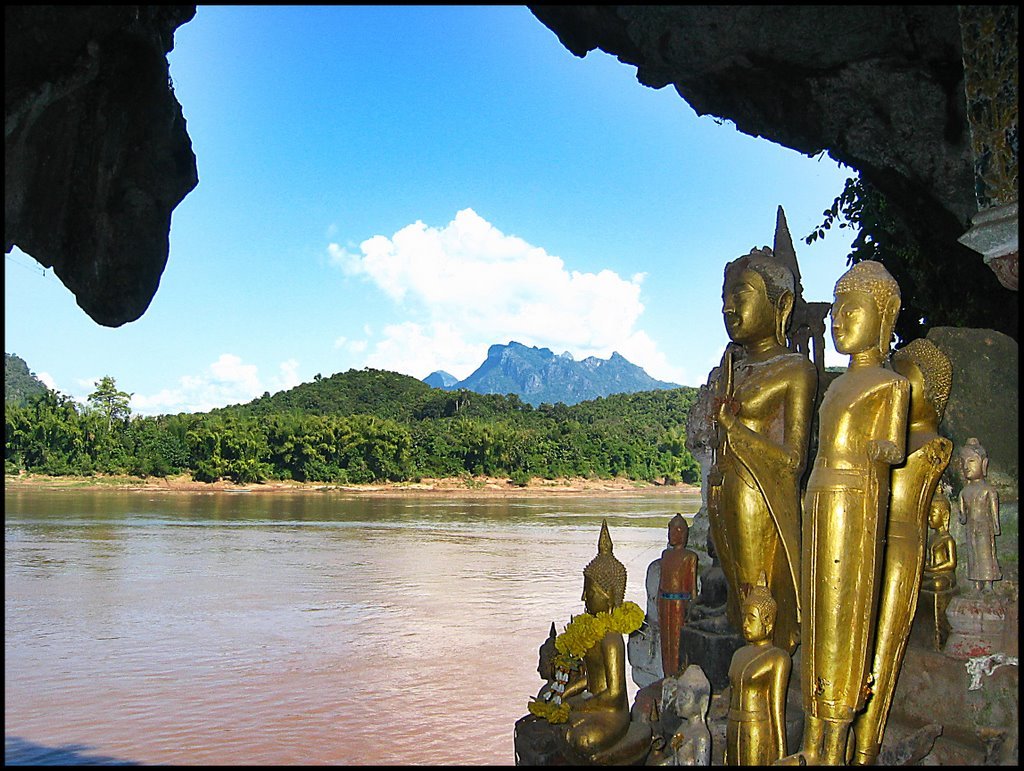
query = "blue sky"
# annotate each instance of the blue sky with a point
(401, 187)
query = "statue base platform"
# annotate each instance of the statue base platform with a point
(976, 622)
(540, 743)
(930, 628)
(710, 643)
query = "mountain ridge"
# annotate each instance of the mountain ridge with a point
(538, 375)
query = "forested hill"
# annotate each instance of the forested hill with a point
(363, 426)
(20, 384)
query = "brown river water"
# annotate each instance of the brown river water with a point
(305, 628)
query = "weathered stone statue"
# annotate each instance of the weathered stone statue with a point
(862, 433)
(940, 558)
(687, 696)
(979, 510)
(676, 589)
(912, 487)
(765, 405)
(758, 676)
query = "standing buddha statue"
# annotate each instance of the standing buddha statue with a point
(862, 433)
(755, 734)
(676, 587)
(912, 486)
(979, 510)
(765, 404)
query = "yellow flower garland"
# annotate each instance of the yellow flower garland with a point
(581, 634)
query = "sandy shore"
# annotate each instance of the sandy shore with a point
(487, 486)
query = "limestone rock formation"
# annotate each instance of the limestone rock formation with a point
(881, 88)
(96, 155)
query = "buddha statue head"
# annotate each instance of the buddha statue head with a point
(928, 369)
(678, 531)
(938, 513)
(604, 578)
(973, 460)
(759, 609)
(757, 297)
(867, 302)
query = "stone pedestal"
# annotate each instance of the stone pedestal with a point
(976, 622)
(930, 628)
(539, 743)
(710, 643)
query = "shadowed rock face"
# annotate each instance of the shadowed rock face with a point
(880, 88)
(96, 155)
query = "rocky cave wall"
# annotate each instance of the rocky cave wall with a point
(96, 155)
(880, 88)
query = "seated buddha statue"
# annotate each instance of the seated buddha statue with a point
(940, 559)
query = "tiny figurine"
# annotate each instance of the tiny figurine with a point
(862, 432)
(676, 589)
(758, 676)
(979, 510)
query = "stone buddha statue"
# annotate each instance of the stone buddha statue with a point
(755, 734)
(765, 404)
(979, 510)
(862, 433)
(912, 487)
(940, 557)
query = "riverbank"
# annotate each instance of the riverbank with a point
(485, 486)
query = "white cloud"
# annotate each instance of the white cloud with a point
(228, 380)
(467, 285)
(47, 380)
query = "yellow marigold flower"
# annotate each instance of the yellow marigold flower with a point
(626, 618)
(553, 713)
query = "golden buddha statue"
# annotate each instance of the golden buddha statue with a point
(939, 581)
(940, 558)
(599, 704)
(912, 487)
(766, 396)
(755, 734)
(979, 510)
(676, 588)
(862, 432)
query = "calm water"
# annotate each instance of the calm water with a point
(289, 629)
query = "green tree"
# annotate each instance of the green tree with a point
(110, 402)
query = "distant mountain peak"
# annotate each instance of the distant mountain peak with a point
(441, 379)
(537, 375)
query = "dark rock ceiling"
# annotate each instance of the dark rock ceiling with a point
(97, 155)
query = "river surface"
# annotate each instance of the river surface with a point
(305, 628)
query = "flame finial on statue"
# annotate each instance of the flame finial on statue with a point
(606, 570)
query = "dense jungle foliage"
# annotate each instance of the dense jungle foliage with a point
(356, 427)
